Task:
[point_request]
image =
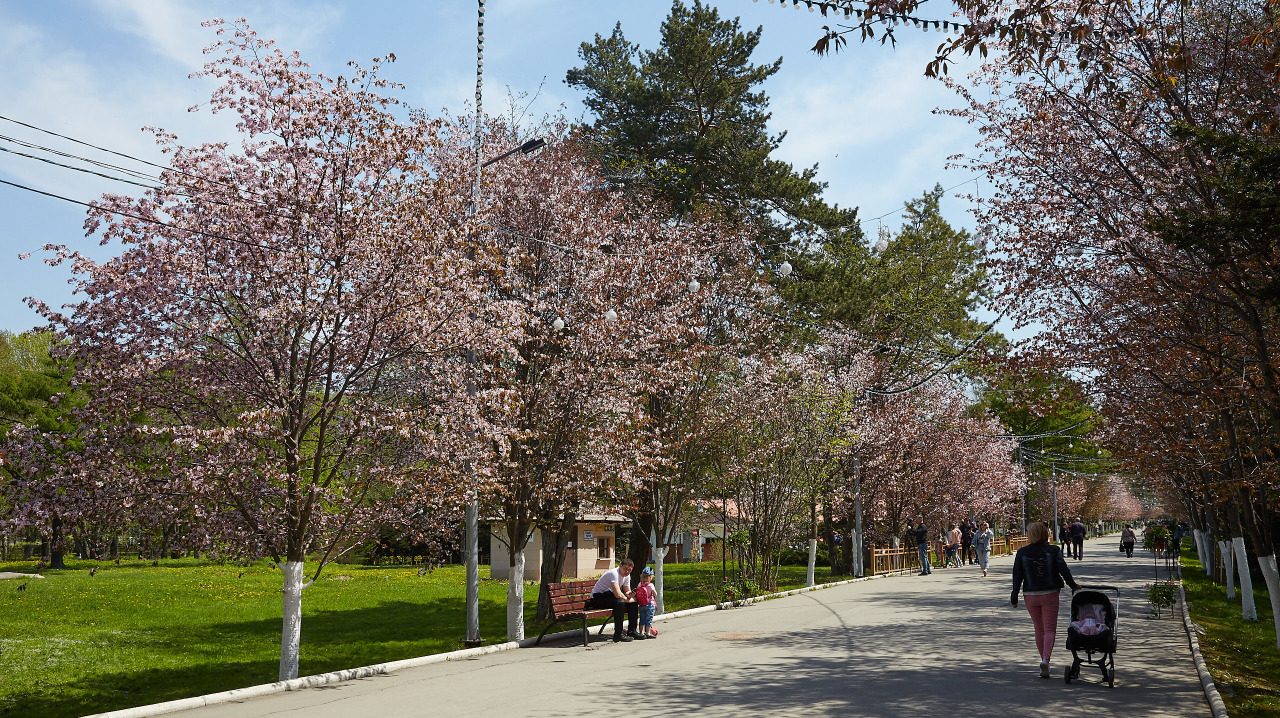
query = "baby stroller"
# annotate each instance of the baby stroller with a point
(1093, 629)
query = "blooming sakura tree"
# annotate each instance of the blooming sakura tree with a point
(1118, 226)
(924, 457)
(278, 343)
(598, 287)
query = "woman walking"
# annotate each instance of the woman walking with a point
(982, 546)
(1039, 572)
(1127, 539)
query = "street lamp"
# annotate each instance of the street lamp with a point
(527, 148)
(471, 540)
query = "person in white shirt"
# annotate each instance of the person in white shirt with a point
(613, 591)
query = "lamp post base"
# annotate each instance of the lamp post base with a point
(473, 643)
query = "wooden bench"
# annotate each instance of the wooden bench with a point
(569, 602)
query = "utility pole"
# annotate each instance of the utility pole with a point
(471, 539)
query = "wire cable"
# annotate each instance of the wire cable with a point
(140, 218)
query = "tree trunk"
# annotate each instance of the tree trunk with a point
(1224, 547)
(1247, 610)
(846, 549)
(165, 535)
(1272, 576)
(55, 545)
(554, 546)
(291, 632)
(1197, 536)
(829, 535)
(659, 555)
(638, 546)
(515, 597)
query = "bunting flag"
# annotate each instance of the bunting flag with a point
(890, 20)
(849, 11)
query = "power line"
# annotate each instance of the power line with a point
(944, 367)
(118, 154)
(77, 169)
(140, 218)
(948, 189)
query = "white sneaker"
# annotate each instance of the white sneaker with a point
(1044, 669)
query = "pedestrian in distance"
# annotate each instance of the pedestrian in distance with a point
(953, 546)
(613, 591)
(982, 546)
(1039, 573)
(967, 556)
(1077, 530)
(921, 536)
(1127, 540)
(647, 600)
(1064, 537)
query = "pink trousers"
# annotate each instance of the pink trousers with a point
(1044, 615)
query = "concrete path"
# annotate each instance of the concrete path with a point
(941, 645)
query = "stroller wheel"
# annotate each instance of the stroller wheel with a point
(1111, 677)
(1066, 676)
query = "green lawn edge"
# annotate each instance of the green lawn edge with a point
(72, 644)
(1241, 655)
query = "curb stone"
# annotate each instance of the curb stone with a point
(1211, 694)
(351, 674)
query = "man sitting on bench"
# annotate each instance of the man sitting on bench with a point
(613, 591)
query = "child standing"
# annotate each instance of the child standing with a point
(647, 600)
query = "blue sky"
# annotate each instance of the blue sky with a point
(100, 70)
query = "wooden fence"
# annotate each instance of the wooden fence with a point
(886, 560)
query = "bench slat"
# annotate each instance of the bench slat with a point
(569, 598)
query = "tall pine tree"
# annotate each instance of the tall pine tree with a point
(688, 122)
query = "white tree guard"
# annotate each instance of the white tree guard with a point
(1272, 576)
(813, 561)
(1206, 560)
(291, 633)
(515, 599)
(659, 553)
(1247, 610)
(1228, 564)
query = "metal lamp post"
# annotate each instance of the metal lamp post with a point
(471, 540)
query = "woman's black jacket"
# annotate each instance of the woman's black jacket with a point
(1040, 567)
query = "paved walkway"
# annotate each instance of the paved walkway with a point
(946, 644)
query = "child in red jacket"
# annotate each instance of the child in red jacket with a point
(647, 600)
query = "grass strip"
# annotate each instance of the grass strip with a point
(134, 634)
(1241, 655)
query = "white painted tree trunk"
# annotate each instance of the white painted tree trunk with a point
(291, 632)
(1224, 548)
(813, 561)
(1210, 556)
(1272, 576)
(1247, 610)
(659, 553)
(515, 599)
(1198, 537)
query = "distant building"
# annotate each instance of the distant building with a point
(592, 550)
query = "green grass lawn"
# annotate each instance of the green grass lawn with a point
(134, 634)
(1242, 655)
